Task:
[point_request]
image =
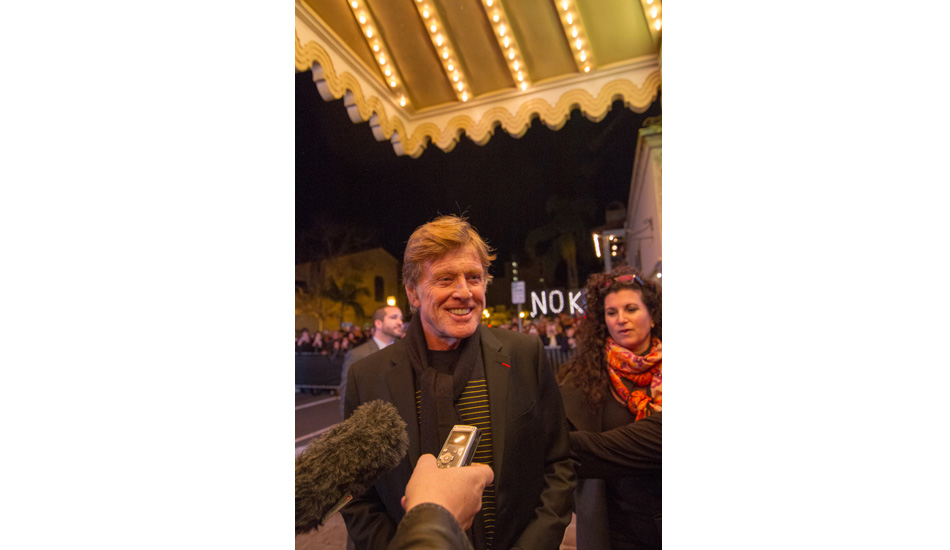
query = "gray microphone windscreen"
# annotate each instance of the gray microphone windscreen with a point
(347, 460)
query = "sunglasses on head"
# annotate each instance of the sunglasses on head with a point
(625, 279)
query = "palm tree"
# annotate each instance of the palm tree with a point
(308, 305)
(556, 241)
(346, 294)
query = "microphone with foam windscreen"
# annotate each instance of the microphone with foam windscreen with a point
(346, 461)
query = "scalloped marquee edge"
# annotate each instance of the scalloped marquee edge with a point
(369, 107)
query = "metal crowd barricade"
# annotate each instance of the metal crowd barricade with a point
(315, 371)
(557, 357)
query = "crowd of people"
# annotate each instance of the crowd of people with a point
(331, 342)
(554, 331)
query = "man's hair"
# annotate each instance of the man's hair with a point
(438, 237)
(380, 314)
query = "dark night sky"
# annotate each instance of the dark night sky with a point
(344, 175)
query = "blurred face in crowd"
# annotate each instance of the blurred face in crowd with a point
(450, 296)
(628, 320)
(391, 326)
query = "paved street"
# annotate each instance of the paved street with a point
(315, 414)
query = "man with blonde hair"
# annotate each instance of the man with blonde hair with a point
(450, 369)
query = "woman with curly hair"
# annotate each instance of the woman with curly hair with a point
(615, 378)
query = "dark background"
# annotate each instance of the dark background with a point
(345, 177)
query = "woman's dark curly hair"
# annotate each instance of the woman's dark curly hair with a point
(587, 370)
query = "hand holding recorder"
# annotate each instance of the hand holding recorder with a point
(458, 490)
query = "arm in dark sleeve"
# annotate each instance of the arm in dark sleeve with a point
(620, 452)
(348, 360)
(429, 526)
(553, 516)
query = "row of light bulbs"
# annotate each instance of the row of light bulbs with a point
(570, 21)
(654, 9)
(576, 37)
(370, 30)
(433, 23)
(506, 41)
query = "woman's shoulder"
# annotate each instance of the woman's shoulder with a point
(569, 386)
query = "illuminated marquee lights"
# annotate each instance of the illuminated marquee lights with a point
(653, 9)
(506, 41)
(370, 30)
(443, 45)
(576, 35)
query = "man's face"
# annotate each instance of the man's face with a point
(450, 296)
(391, 326)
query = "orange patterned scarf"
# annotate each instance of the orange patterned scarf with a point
(644, 371)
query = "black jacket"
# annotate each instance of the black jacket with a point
(429, 526)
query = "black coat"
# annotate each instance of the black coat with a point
(619, 504)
